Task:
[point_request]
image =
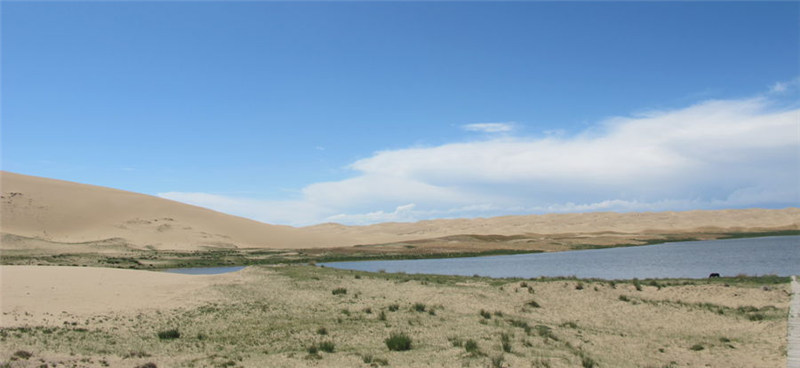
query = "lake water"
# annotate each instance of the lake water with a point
(204, 270)
(697, 259)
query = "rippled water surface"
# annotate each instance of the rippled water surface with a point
(752, 256)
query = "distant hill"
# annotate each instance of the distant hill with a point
(67, 212)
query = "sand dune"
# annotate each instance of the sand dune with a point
(60, 211)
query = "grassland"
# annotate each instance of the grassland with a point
(300, 315)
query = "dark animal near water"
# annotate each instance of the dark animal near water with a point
(713, 275)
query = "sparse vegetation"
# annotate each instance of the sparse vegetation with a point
(339, 291)
(273, 328)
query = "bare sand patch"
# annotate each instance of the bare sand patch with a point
(31, 295)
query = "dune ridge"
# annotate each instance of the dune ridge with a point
(61, 211)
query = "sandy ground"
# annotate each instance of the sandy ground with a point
(270, 316)
(47, 295)
(65, 212)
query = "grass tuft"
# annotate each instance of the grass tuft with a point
(398, 341)
(169, 334)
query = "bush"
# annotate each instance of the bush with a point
(398, 342)
(471, 346)
(505, 341)
(339, 291)
(497, 361)
(569, 324)
(419, 307)
(312, 349)
(587, 362)
(322, 331)
(637, 284)
(22, 354)
(382, 316)
(624, 298)
(696, 347)
(533, 303)
(169, 334)
(485, 314)
(147, 365)
(327, 346)
(394, 307)
(579, 286)
(369, 359)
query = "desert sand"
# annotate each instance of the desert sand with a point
(65, 212)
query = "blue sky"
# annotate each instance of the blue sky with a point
(356, 112)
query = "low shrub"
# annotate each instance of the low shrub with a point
(398, 342)
(471, 346)
(696, 347)
(22, 354)
(169, 334)
(339, 291)
(624, 298)
(419, 307)
(505, 341)
(569, 324)
(322, 331)
(497, 361)
(327, 346)
(533, 304)
(485, 314)
(393, 307)
(587, 362)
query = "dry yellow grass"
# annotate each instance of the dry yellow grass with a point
(269, 316)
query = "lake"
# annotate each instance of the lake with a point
(778, 255)
(204, 270)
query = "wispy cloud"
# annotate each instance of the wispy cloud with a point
(490, 127)
(714, 154)
(785, 86)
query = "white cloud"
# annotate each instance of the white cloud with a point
(715, 154)
(783, 87)
(489, 127)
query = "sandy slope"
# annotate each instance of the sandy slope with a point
(62, 211)
(69, 212)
